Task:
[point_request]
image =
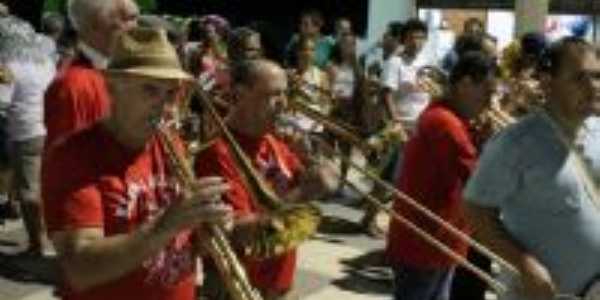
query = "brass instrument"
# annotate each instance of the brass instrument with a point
(494, 284)
(341, 130)
(591, 294)
(290, 224)
(231, 270)
(432, 80)
(388, 133)
(523, 95)
(297, 84)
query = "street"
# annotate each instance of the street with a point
(340, 262)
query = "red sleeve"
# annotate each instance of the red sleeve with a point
(216, 161)
(73, 102)
(70, 196)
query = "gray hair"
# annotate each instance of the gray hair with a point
(82, 11)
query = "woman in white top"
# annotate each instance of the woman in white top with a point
(345, 73)
(311, 85)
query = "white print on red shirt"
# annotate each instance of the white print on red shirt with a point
(142, 200)
(274, 174)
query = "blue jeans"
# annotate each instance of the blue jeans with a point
(416, 284)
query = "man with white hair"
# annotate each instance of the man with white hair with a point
(77, 98)
(123, 224)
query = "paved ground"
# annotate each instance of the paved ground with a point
(340, 262)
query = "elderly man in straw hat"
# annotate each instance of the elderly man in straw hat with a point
(121, 225)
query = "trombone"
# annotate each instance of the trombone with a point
(231, 270)
(491, 282)
(300, 85)
(497, 286)
(341, 130)
(499, 119)
(290, 225)
(494, 284)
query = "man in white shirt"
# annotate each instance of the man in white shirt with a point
(404, 98)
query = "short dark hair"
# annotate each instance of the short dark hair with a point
(468, 42)
(195, 32)
(473, 21)
(314, 14)
(413, 25)
(395, 29)
(236, 40)
(534, 44)
(474, 64)
(552, 58)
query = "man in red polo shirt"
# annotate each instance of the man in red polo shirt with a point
(438, 160)
(259, 88)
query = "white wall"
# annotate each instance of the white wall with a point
(382, 12)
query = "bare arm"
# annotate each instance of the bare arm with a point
(89, 258)
(536, 279)
(489, 230)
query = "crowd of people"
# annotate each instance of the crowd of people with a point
(105, 112)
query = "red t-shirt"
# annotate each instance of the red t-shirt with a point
(280, 167)
(437, 162)
(76, 99)
(92, 181)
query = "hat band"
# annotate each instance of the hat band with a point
(145, 61)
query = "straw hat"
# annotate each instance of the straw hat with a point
(146, 52)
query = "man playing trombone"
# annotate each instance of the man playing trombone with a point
(438, 160)
(259, 90)
(122, 226)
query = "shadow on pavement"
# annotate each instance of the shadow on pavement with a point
(29, 269)
(337, 225)
(366, 274)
